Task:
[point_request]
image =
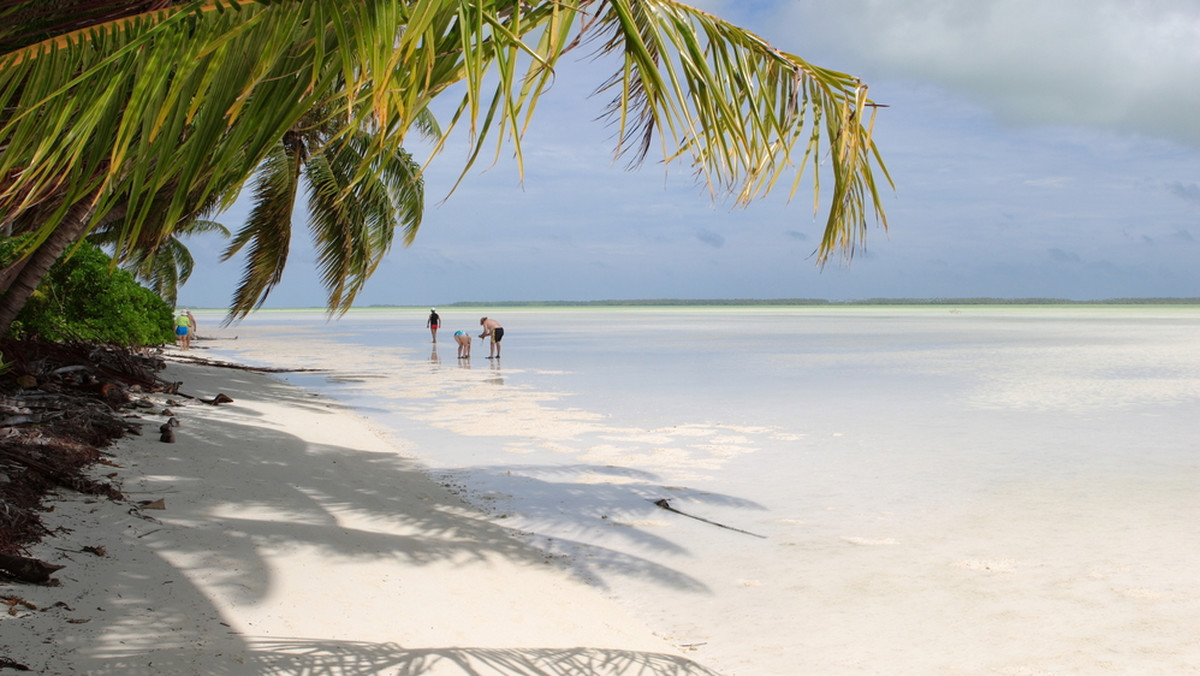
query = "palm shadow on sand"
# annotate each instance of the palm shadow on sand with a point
(156, 617)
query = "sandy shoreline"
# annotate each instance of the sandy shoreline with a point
(992, 492)
(296, 538)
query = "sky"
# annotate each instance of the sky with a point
(1038, 149)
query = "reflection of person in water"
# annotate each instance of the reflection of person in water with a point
(464, 344)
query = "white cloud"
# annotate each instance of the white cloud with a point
(1130, 65)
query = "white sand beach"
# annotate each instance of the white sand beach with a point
(983, 492)
(295, 538)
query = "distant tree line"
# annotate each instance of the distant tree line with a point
(676, 302)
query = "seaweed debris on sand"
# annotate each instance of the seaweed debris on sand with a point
(61, 405)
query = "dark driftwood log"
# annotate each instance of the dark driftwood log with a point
(662, 502)
(188, 359)
(26, 569)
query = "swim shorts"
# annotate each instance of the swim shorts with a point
(497, 334)
(181, 330)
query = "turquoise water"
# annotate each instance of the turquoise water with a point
(879, 452)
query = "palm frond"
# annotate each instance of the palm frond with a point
(744, 112)
(354, 215)
(160, 108)
(266, 235)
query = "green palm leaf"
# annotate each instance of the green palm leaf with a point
(163, 266)
(152, 110)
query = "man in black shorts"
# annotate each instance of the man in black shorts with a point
(492, 328)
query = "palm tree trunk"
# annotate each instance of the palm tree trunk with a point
(24, 276)
(10, 272)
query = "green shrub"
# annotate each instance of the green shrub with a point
(83, 297)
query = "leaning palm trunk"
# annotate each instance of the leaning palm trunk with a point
(29, 271)
(197, 95)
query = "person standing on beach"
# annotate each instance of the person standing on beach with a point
(433, 323)
(185, 326)
(492, 328)
(464, 344)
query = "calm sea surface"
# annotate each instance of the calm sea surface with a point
(881, 464)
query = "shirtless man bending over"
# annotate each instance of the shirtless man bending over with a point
(492, 328)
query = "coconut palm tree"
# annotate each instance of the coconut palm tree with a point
(111, 107)
(164, 266)
(353, 214)
(352, 233)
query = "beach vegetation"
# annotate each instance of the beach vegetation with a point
(140, 117)
(83, 298)
(165, 265)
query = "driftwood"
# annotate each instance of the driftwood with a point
(662, 502)
(26, 569)
(76, 363)
(60, 403)
(222, 398)
(201, 361)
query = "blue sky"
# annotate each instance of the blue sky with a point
(1038, 149)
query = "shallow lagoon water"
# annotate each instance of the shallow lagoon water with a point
(938, 489)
